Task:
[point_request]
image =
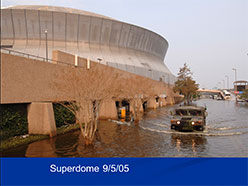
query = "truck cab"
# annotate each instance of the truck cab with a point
(189, 118)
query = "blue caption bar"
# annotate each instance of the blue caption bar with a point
(124, 171)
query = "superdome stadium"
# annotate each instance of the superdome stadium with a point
(121, 45)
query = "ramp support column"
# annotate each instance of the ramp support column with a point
(151, 103)
(41, 119)
(108, 110)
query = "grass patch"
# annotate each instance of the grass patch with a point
(26, 139)
(67, 128)
(20, 140)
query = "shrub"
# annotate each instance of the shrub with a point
(62, 115)
(13, 120)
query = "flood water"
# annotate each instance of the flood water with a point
(226, 135)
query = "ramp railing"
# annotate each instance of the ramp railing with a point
(146, 72)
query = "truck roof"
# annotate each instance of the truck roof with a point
(191, 108)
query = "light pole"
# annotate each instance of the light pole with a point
(168, 80)
(235, 70)
(219, 85)
(227, 81)
(46, 45)
(150, 70)
(99, 59)
(163, 78)
(223, 84)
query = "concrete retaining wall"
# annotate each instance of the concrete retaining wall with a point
(26, 80)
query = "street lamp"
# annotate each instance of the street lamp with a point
(223, 84)
(235, 70)
(99, 59)
(227, 81)
(163, 78)
(150, 70)
(219, 85)
(168, 80)
(46, 31)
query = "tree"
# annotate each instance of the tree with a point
(244, 95)
(88, 89)
(136, 90)
(185, 85)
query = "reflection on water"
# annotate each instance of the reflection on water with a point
(194, 143)
(44, 148)
(226, 135)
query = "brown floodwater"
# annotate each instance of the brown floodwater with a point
(226, 135)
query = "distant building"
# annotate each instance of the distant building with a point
(89, 35)
(240, 86)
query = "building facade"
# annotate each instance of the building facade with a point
(36, 29)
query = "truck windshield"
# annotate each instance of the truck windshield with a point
(191, 112)
(181, 112)
(195, 112)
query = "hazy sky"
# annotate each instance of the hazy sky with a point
(211, 36)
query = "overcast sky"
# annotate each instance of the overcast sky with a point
(211, 36)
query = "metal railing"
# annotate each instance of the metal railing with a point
(31, 56)
(146, 72)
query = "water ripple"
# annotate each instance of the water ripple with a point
(204, 133)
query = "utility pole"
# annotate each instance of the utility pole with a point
(168, 80)
(235, 70)
(150, 70)
(227, 81)
(219, 85)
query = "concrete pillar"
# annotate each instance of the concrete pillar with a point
(170, 100)
(151, 103)
(140, 109)
(108, 110)
(162, 102)
(41, 119)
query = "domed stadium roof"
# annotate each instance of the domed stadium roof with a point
(121, 45)
(57, 9)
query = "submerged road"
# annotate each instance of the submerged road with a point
(226, 135)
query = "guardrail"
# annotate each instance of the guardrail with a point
(146, 72)
(31, 56)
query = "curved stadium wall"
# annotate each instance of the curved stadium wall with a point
(117, 44)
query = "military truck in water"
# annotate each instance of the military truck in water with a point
(189, 118)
